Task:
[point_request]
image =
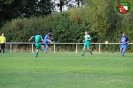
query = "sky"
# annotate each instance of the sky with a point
(71, 3)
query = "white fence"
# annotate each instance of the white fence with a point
(76, 45)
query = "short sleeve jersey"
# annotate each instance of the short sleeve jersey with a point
(2, 39)
(38, 38)
(47, 36)
(124, 39)
(87, 37)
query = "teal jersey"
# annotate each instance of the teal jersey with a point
(87, 38)
(38, 38)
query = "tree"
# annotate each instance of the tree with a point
(4, 9)
(10, 9)
(98, 14)
(67, 4)
(37, 7)
(80, 2)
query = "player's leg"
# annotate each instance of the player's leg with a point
(121, 49)
(124, 49)
(46, 44)
(50, 41)
(42, 47)
(46, 50)
(0, 48)
(37, 50)
(88, 48)
(123, 52)
(83, 51)
(3, 47)
(38, 45)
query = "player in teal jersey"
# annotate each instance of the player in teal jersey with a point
(38, 39)
(86, 43)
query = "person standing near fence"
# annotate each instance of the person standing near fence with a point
(38, 39)
(124, 40)
(86, 43)
(47, 39)
(2, 43)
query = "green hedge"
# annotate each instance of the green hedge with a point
(69, 27)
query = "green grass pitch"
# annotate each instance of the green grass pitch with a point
(66, 70)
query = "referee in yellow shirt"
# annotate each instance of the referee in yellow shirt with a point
(2, 43)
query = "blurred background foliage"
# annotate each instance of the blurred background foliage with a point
(20, 19)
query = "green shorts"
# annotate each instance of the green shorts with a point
(87, 44)
(38, 45)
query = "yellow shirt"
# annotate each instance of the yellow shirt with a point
(2, 39)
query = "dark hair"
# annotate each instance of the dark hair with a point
(39, 33)
(49, 31)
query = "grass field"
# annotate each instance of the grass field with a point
(66, 70)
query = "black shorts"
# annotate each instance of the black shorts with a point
(2, 45)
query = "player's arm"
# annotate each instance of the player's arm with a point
(83, 40)
(119, 41)
(42, 40)
(50, 38)
(89, 38)
(31, 38)
(127, 41)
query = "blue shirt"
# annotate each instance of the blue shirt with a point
(124, 39)
(47, 36)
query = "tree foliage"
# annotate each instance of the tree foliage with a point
(98, 18)
(3, 9)
(11, 9)
(63, 30)
(97, 14)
